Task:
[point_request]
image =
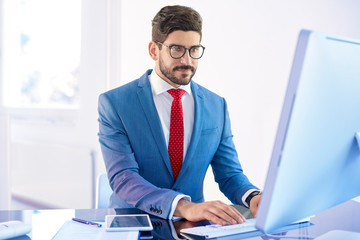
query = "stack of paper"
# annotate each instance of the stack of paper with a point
(74, 230)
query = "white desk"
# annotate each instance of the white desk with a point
(45, 223)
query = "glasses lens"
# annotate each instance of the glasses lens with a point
(177, 51)
(196, 52)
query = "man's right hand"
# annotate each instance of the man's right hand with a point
(214, 211)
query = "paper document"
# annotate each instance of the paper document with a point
(74, 230)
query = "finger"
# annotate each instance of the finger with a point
(218, 220)
(237, 215)
(226, 213)
(233, 213)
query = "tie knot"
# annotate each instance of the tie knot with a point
(176, 93)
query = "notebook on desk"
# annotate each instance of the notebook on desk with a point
(315, 162)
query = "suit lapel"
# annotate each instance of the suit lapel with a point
(147, 102)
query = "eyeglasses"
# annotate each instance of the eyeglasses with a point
(178, 51)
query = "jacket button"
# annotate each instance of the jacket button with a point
(152, 209)
(159, 211)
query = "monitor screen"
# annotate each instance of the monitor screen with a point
(315, 162)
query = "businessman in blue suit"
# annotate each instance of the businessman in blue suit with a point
(157, 146)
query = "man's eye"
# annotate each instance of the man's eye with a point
(177, 48)
(195, 49)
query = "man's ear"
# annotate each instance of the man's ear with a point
(154, 50)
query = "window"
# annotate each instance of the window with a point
(41, 42)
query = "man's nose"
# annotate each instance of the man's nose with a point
(186, 59)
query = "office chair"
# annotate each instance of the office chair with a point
(103, 191)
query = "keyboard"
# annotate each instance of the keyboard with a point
(215, 230)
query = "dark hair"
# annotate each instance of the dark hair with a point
(173, 18)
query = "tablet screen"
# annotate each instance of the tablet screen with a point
(128, 222)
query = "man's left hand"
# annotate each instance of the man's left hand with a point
(254, 204)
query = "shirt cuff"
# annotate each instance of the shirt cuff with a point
(174, 205)
(246, 195)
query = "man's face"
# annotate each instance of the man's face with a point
(178, 71)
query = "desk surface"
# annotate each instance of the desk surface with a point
(45, 223)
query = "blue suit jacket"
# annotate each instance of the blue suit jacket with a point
(136, 157)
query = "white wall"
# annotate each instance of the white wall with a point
(249, 51)
(4, 147)
(4, 162)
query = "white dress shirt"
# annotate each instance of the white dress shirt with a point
(163, 101)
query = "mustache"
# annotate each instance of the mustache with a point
(185, 67)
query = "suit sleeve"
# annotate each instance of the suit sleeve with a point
(226, 166)
(122, 167)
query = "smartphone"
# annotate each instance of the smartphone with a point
(131, 222)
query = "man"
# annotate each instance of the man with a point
(160, 133)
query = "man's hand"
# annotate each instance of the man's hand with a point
(214, 211)
(254, 204)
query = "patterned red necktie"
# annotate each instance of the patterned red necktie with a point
(176, 138)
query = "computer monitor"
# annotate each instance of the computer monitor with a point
(315, 163)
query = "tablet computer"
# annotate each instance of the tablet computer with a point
(131, 222)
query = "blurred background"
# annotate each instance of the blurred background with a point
(57, 56)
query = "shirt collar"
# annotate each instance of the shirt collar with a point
(160, 86)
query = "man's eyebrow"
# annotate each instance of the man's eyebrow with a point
(174, 44)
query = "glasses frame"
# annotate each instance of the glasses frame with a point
(189, 49)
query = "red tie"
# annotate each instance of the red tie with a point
(176, 138)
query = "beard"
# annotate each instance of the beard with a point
(184, 79)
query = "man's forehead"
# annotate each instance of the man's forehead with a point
(185, 38)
